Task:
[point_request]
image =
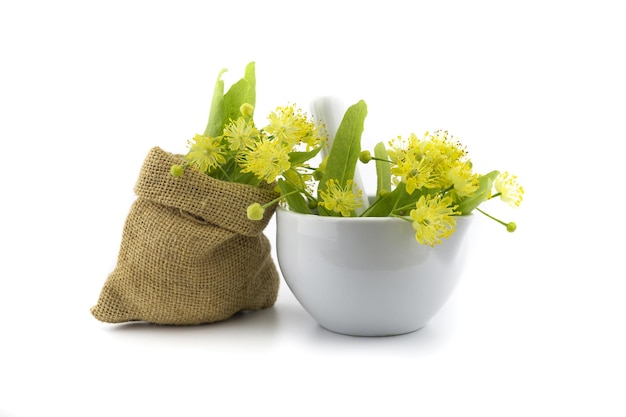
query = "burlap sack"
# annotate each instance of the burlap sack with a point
(189, 254)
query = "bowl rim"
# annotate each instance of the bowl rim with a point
(281, 209)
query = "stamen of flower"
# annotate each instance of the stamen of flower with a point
(508, 189)
(340, 199)
(433, 219)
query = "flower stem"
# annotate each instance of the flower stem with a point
(509, 226)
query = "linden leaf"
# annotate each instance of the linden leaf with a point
(468, 204)
(215, 125)
(225, 107)
(383, 206)
(383, 169)
(344, 153)
(243, 91)
(295, 201)
(298, 158)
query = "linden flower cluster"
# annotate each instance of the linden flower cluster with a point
(246, 154)
(427, 181)
(434, 183)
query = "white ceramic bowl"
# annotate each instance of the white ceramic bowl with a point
(367, 276)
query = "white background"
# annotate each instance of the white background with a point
(537, 326)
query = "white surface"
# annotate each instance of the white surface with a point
(371, 277)
(537, 325)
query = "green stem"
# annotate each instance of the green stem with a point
(225, 173)
(397, 216)
(299, 190)
(381, 160)
(493, 218)
(277, 199)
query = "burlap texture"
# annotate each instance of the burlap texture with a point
(189, 254)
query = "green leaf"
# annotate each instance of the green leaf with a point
(298, 158)
(383, 206)
(485, 182)
(295, 201)
(243, 91)
(344, 153)
(215, 125)
(225, 107)
(233, 99)
(383, 169)
(250, 77)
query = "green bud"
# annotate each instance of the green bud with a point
(312, 204)
(255, 211)
(318, 174)
(176, 171)
(510, 227)
(365, 157)
(247, 109)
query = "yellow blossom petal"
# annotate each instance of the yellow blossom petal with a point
(205, 153)
(266, 159)
(240, 134)
(510, 191)
(433, 219)
(340, 200)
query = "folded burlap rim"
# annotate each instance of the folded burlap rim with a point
(204, 198)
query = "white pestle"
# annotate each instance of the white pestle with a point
(330, 111)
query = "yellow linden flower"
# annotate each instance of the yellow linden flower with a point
(240, 134)
(266, 159)
(433, 219)
(292, 126)
(411, 165)
(508, 188)
(340, 200)
(460, 175)
(205, 152)
(415, 174)
(445, 145)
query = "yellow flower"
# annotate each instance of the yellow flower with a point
(433, 219)
(416, 174)
(426, 163)
(284, 125)
(460, 175)
(291, 125)
(240, 133)
(266, 159)
(340, 200)
(508, 188)
(205, 153)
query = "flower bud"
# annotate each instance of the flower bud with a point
(255, 211)
(318, 174)
(510, 227)
(365, 157)
(176, 171)
(247, 109)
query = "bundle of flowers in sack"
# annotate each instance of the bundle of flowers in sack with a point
(190, 253)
